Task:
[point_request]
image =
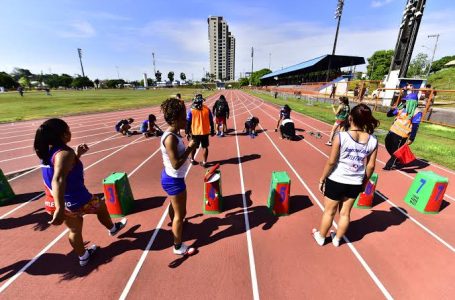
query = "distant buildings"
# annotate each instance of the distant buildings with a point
(222, 49)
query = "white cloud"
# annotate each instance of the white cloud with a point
(78, 29)
(380, 3)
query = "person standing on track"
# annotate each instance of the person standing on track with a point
(221, 112)
(67, 198)
(285, 113)
(200, 125)
(175, 160)
(341, 114)
(404, 127)
(349, 167)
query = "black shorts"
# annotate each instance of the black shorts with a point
(288, 130)
(339, 191)
(202, 140)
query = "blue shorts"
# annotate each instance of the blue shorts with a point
(171, 185)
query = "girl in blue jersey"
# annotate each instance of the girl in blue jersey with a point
(176, 164)
(67, 198)
(149, 127)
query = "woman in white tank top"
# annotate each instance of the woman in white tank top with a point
(175, 161)
(350, 165)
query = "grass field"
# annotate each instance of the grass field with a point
(37, 104)
(433, 142)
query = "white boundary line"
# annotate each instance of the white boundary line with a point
(254, 281)
(438, 238)
(370, 272)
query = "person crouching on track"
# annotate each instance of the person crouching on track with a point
(349, 167)
(285, 113)
(404, 127)
(287, 129)
(175, 160)
(199, 126)
(124, 126)
(149, 127)
(250, 126)
(67, 198)
(341, 115)
(221, 112)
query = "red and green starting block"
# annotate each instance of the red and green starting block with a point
(6, 192)
(280, 188)
(118, 195)
(426, 192)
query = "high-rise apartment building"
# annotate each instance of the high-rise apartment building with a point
(222, 49)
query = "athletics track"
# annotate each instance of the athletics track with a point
(243, 253)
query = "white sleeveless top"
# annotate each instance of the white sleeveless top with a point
(350, 168)
(170, 171)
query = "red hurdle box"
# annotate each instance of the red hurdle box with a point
(118, 195)
(365, 199)
(213, 197)
(280, 188)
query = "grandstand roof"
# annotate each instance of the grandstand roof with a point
(320, 63)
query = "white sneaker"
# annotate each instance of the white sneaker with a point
(91, 251)
(184, 250)
(335, 240)
(118, 226)
(317, 237)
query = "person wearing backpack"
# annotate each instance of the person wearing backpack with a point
(221, 112)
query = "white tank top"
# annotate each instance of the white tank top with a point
(170, 171)
(350, 168)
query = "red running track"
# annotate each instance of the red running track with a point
(245, 252)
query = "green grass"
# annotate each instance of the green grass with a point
(443, 79)
(433, 142)
(36, 104)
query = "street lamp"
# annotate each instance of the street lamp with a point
(434, 50)
(79, 52)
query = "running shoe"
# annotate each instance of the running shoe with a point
(184, 250)
(317, 237)
(335, 240)
(91, 251)
(118, 226)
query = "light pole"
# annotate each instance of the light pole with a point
(434, 51)
(79, 51)
(270, 60)
(251, 75)
(118, 75)
(338, 13)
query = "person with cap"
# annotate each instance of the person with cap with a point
(199, 126)
(404, 127)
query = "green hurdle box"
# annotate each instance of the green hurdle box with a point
(280, 188)
(6, 192)
(118, 195)
(426, 192)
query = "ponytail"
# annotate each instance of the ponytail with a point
(50, 133)
(363, 118)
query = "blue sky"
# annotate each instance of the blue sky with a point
(44, 35)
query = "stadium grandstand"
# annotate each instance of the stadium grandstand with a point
(313, 70)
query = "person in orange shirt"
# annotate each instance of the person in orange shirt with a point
(199, 126)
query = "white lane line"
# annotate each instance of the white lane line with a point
(351, 246)
(254, 281)
(23, 204)
(32, 261)
(438, 238)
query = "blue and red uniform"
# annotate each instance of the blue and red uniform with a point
(76, 195)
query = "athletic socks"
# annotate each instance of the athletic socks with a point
(85, 258)
(335, 240)
(117, 227)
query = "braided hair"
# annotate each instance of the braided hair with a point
(172, 109)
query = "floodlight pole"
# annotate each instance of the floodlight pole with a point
(79, 51)
(252, 58)
(338, 13)
(434, 51)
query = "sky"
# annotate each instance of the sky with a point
(118, 37)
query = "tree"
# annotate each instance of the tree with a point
(170, 75)
(149, 82)
(182, 76)
(418, 66)
(256, 76)
(158, 76)
(65, 80)
(18, 73)
(379, 64)
(97, 83)
(81, 82)
(24, 82)
(115, 83)
(244, 81)
(439, 64)
(7, 81)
